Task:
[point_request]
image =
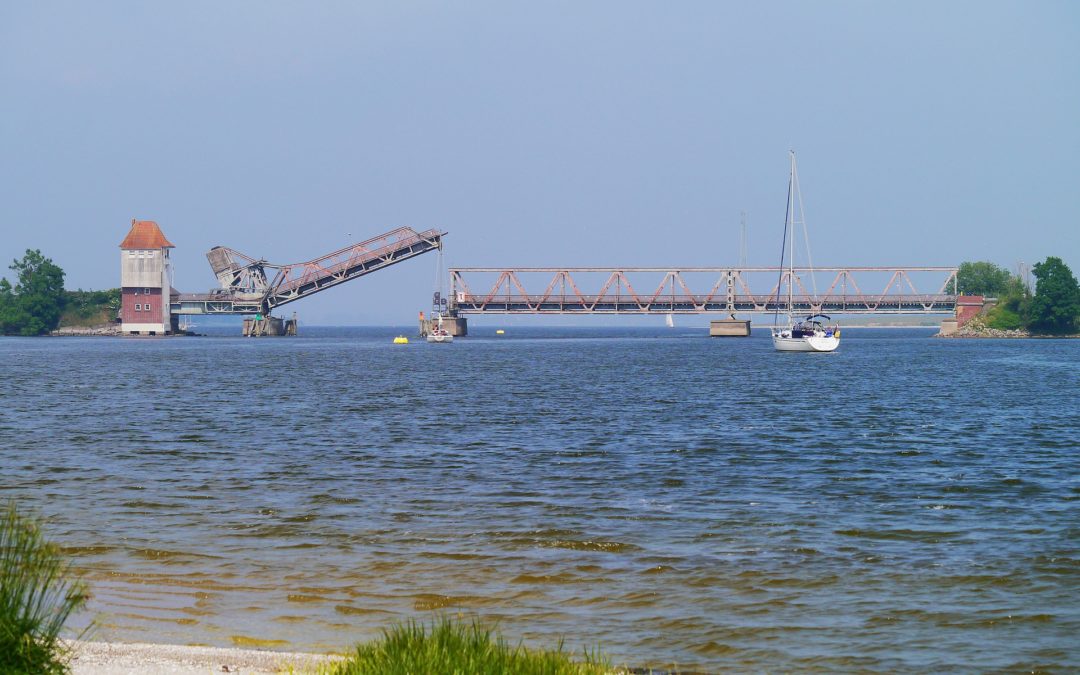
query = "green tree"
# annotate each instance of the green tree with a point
(10, 316)
(983, 278)
(33, 305)
(1055, 308)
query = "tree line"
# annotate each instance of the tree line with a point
(1052, 309)
(37, 302)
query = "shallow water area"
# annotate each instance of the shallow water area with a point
(904, 503)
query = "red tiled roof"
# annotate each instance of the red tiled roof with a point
(145, 234)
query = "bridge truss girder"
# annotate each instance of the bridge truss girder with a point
(731, 293)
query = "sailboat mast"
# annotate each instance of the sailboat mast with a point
(783, 250)
(791, 233)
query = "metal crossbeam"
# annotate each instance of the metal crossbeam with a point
(729, 290)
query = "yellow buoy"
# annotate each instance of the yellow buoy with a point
(500, 331)
(401, 340)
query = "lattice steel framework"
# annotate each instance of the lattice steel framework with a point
(730, 293)
(247, 288)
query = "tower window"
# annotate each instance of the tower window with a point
(138, 307)
(146, 291)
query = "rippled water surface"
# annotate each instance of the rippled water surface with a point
(904, 503)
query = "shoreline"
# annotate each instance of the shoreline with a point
(121, 658)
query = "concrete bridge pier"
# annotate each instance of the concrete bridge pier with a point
(729, 327)
(270, 326)
(967, 308)
(458, 326)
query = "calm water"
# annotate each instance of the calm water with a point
(903, 504)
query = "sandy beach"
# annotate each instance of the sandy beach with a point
(114, 658)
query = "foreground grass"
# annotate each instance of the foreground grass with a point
(446, 647)
(36, 597)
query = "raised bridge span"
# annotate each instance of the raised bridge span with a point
(255, 286)
(701, 290)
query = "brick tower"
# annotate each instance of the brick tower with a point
(145, 280)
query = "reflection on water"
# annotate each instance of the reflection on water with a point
(903, 503)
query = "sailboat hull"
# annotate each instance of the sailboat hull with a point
(808, 343)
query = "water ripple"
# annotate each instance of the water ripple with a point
(904, 505)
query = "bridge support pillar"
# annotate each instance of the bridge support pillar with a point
(968, 307)
(271, 326)
(729, 328)
(948, 327)
(458, 326)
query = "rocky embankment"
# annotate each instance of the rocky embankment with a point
(977, 328)
(69, 331)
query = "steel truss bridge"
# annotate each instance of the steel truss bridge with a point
(255, 286)
(728, 290)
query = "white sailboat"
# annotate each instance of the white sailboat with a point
(439, 306)
(439, 334)
(809, 334)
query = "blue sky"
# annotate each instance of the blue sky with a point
(537, 134)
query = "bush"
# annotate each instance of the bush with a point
(1002, 317)
(1013, 309)
(450, 647)
(90, 308)
(37, 595)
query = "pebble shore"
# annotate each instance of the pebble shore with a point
(114, 658)
(980, 331)
(70, 331)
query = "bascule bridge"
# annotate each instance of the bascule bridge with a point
(255, 287)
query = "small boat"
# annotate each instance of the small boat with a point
(439, 334)
(808, 335)
(439, 305)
